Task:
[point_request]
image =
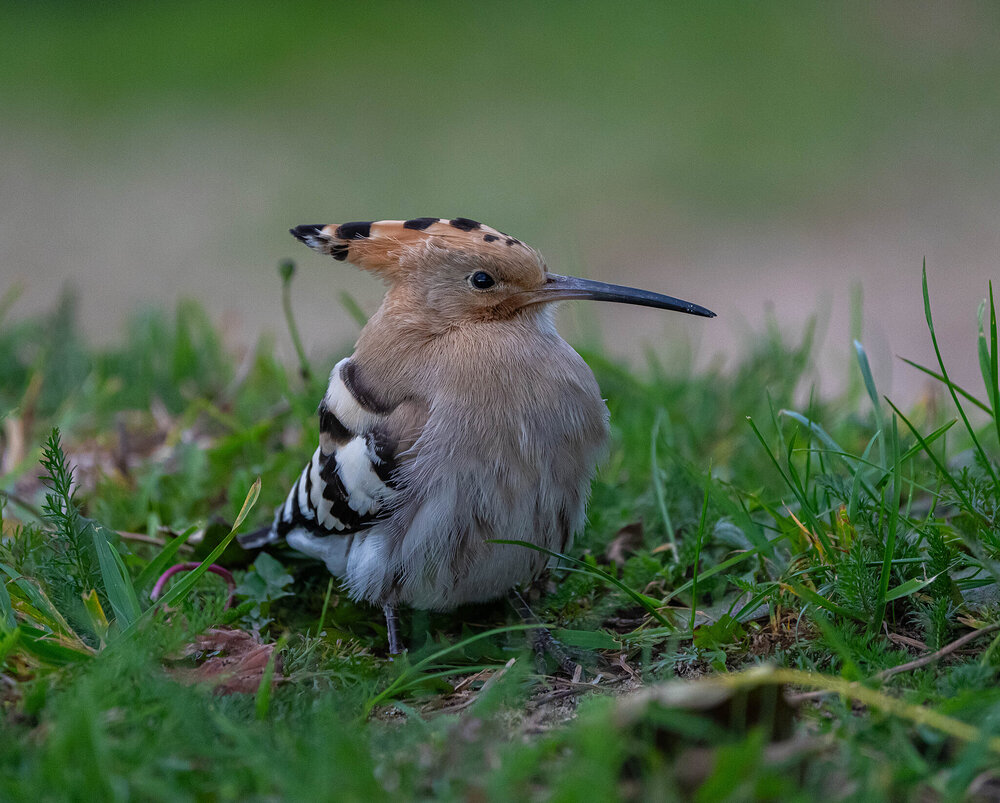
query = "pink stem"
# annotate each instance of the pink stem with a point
(225, 574)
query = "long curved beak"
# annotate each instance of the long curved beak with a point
(563, 288)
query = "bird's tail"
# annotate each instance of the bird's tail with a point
(258, 538)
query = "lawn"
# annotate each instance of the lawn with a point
(777, 596)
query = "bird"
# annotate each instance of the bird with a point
(461, 418)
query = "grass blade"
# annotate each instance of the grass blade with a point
(987, 463)
(917, 448)
(991, 371)
(806, 593)
(869, 379)
(661, 500)
(287, 271)
(587, 639)
(326, 605)
(854, 502)
(697, 550)
(180, 588)
(909, 587)
(52, 652)
(262, 700)
(7, 620)
(721, 567)
(95, 613)
(804, 505)
(818, 431)
(889, 547)
(47, 614)
(159, 564)
(942, 469)
(407, 677)
(117, 582)
(8, 641)
(353, 308)
(945, 381)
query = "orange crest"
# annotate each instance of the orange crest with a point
(384, 246)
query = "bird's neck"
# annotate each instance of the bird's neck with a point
(411, 350)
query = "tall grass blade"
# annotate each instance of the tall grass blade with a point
(854, 464)
(262, 700)
(326, 606)
(792, 482)
(853, 504)
(287, 271)
(162, 561)
(856, 306)
(914, 450)
(946, 381)
(181, 588)
(987, 463)
(818, 431)
(869, 380)
(942, 469)
(353, 308)
(714, 570)
(7, 620)
(991, 372)
(889, 547)
(697, 550)
(661, 500)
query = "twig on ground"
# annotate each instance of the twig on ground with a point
(947, 649)
(906, 641)
(575, 689)
(909, 666)
(151, 539)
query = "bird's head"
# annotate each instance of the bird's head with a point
(461, 270)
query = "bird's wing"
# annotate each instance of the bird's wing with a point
(349, 483)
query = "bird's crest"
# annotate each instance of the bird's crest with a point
(384, 245)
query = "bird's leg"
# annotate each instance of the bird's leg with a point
(392, 627)
(540, 639)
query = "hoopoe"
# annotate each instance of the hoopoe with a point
(461, 417)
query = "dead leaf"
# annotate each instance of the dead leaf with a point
(628, 539)
(233, 661)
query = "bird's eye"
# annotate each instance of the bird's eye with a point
(481, 280)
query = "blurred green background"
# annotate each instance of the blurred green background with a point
(740, 155)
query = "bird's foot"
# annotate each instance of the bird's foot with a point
(392, 628)
(542, 642)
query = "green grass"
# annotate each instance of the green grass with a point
(790, 548)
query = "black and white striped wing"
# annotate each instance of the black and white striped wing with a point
(346, 486)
